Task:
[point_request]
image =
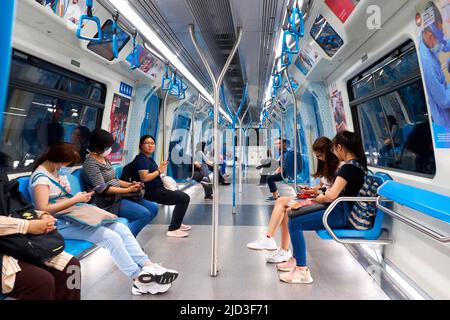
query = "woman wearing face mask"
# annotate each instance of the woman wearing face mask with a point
(98, 171)
(349, 180)
(46, 185)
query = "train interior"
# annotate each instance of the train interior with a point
(237, 75)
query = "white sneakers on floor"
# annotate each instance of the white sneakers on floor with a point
(154, 279)
(279, 256)
(263, 243)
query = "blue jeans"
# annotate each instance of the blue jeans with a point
(114, 237)
(138, 213)
(311, 222)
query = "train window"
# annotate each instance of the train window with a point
(45, 106)
(326, 36)
(104, 48)
(388, 104)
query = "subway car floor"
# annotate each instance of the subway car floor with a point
(243, 273)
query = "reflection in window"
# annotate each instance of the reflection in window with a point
(395, 125)
(46, 105)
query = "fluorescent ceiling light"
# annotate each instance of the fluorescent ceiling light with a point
(128, 12)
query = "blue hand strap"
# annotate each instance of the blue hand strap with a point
(89, 17)
(166, 80)
(134, 54)
(286, 48)
(115, 41)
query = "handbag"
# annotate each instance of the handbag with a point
(81, 213)
(133, 196)
(169, 183)
(307, 207)
(35, 249)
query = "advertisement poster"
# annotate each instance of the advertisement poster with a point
(118, 125)
(327, 38)
(433, 30)
(337, 105)
(71, 10)
(307, 59)
(342, 8)
(148, 63)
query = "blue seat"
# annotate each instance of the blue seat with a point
(76, 182)
(118, 168)
(374, 232)
(23, 188)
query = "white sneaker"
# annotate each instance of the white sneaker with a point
(263, 243)
(157, 273)
(279, 256)
(152, 288)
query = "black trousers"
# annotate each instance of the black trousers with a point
(167, 197)
(271, 181)
(199, 175)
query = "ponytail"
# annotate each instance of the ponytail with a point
(352, 143)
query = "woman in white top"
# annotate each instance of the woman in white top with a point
(52, 193)
(327, 166)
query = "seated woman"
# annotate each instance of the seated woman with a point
(150, 175)
(326, 169)
(25, 281)
(349, 180)
(51, 193)
(97, 170)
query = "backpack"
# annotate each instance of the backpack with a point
(34, 249)
(129, 174)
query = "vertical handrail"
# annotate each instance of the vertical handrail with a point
(240, 149)
(216, 85)
(286, 72)
(281, 149)
(164, 153)
(6, 29)
(235, 118)
(197, 103)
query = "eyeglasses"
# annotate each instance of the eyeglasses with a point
(149, 143)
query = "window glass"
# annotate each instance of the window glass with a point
(395, 126)
(46, 105)
(104, 47)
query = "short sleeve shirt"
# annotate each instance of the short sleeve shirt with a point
(142, 162)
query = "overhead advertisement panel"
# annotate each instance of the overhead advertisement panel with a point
(342, 8)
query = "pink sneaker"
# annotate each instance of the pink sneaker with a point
(177, 233)
(288, 265)
(185, 227)
(297, 276)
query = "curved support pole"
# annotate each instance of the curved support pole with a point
(286, 72)
(216, 85)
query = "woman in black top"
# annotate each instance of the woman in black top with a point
(150, 173)
(348, 182)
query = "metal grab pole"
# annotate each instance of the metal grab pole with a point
(286, 72)
(216, 85)
(240, 150)
(164, 154)
(192, 135)
(282, 150)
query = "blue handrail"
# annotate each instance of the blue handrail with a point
(88, 16)
(296, 50)
(6, 23)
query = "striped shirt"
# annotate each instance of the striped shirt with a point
(10, 265)
(96, 173)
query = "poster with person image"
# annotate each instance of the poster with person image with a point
(147, 62)
(118, 125)
(337, 105)
(433, 30)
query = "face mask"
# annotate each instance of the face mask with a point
(107, 152)
(63, 171)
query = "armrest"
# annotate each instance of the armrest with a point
(349, 241)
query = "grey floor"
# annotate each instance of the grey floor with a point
(243, 273)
